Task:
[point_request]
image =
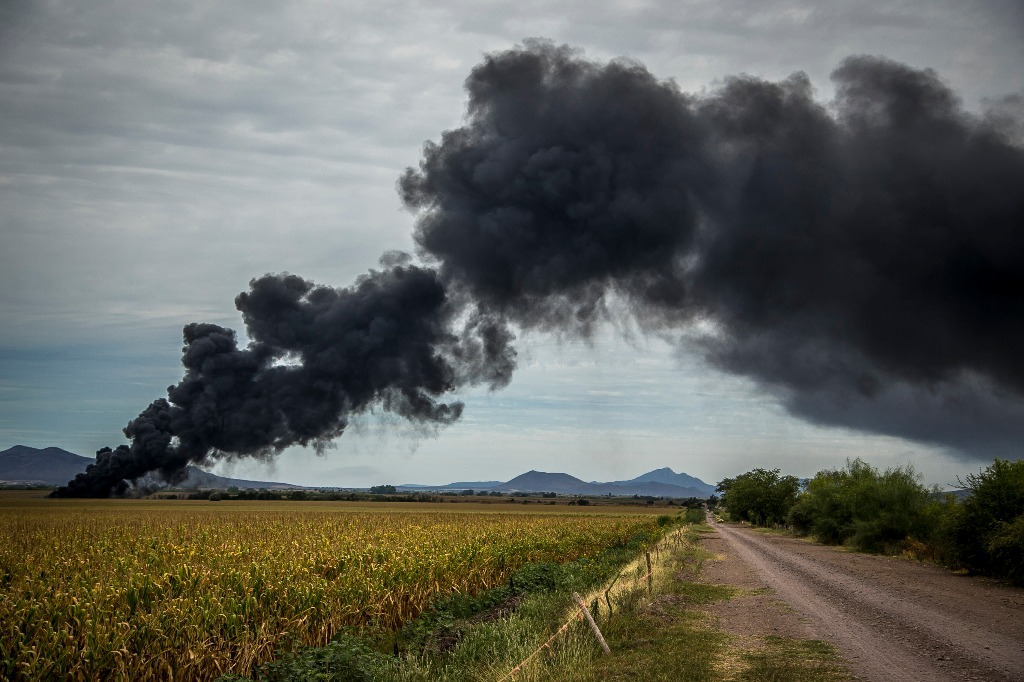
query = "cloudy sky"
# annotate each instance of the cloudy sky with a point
(155, 157)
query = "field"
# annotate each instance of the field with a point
(138, 589)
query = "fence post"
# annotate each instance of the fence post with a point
(593, 625)
(650, 575)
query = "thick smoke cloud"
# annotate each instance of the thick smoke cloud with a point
(863, 262)
(571, 179)
(317, 356)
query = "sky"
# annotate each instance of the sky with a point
(156, 157)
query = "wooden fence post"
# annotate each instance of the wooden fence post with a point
(593, 625)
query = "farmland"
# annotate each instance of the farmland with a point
(146, 589)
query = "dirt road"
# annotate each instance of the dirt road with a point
(892, 619)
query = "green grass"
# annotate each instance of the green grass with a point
(703, 593)
(792, 660)
(660, 639)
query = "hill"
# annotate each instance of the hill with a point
(49, 466)
(458, 485)
(198, 479)
(543, 482)
(22, 465)
(564, 484)
(669, 477)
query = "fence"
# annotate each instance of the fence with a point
(582, 611)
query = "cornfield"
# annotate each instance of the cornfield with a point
(181, 592)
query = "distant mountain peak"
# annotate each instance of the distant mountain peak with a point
(658, 483)
(46, 466)
(54, 466)
(667, 475)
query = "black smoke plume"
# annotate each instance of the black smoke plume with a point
(317, 355)
(863, 262)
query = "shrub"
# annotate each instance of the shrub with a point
(345, 659)
(1006, 547)
(694, 515)
(871, 511)
(987, 531)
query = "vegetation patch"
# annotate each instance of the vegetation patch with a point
(694, 593)
(890, 512)
(782, 659)
(158, 590)
(656, 632)
(670, 643)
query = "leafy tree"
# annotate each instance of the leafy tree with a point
(383, 490)
(761, 497)
(988, 528)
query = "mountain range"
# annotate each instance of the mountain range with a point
(23, 465)
(658, 483)
(53, 466)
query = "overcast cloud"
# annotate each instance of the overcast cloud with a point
(155, 157)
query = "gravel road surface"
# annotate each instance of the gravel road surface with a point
(892, 619)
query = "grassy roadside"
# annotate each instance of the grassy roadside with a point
(666, 635)
(655, 633)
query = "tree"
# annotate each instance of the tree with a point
(383, 490)
(760, 496)
(988, 528)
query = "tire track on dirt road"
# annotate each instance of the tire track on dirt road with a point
(894, 620)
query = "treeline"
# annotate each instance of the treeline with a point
(891, 512)
(389, 493)
(300, 495)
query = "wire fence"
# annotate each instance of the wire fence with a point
(578, 614)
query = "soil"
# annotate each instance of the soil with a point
(892, 619)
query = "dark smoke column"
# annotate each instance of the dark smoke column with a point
(317, 356)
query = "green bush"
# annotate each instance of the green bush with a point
(868, 510)
(346, 659)
(538, 577)
(694, 515)
(893, 512)
(1006, 547)
(987, 531)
